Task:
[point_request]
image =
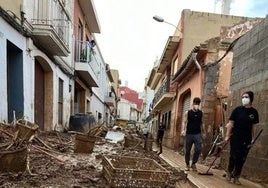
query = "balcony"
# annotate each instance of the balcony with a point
(110, 100)
(50, 24)
(90, 14)
(86, 64)
(168, 53)
(163, 96)
(154, 78)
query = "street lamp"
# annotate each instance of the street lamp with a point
(160, 19)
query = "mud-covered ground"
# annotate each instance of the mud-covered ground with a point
(53, 163)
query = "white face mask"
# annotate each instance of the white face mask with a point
(196, 107)
(245, 101)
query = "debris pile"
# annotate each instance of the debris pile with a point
(125, 171)
(52, 160)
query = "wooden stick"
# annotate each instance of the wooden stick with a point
(42, 142)
(46, 149)
(59, 137)
(7, 133)
(42, 151)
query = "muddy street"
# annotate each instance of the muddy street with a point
(52, 162)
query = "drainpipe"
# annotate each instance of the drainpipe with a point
(195, 60)
(199, 68)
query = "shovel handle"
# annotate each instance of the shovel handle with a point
(218, 154)
(256, 137)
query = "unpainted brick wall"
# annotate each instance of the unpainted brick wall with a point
(250, 72)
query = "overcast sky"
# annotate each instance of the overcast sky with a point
(130, 40)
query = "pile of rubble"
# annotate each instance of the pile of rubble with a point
(51, 159)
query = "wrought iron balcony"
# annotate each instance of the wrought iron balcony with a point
(86, 63)
(51, 24)
(163, 95)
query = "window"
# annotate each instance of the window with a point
(175, 65)
(60, 102)
(166, 119)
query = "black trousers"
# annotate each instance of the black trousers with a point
(238, 154)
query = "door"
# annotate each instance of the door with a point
(39, 96)
(15, 98)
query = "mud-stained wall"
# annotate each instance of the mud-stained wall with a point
(250, 72)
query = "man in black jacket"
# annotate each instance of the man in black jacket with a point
(192, 127)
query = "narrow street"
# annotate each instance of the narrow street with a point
(52, 161)
(89, 87)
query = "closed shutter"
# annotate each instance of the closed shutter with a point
(186, 104)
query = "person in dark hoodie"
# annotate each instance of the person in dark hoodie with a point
(241, 129)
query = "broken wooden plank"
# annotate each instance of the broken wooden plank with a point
(42, 142)
(44, 152)
(6, 133)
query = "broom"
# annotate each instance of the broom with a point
(249, 146)
(217, 155)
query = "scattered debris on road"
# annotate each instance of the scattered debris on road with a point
(51, 160)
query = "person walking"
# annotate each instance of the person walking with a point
(160, 135)
(241, 129)
(193, 128)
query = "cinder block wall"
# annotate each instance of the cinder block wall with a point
(250, 72)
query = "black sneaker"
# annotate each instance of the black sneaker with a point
(228, 176)
(193, 166)
(236, 181)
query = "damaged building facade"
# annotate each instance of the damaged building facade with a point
(36, 63)
(250, 72)
(51, 64)
(178, 77)
(199, 65)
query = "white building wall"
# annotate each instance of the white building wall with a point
(149, 99)
(9, 33)
(28, 83)
(96, 106)
(124, 109)
(66, 98)
(97, 101)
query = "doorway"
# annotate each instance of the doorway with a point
(15, 98)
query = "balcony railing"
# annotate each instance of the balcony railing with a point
(61, 27)
(162, 97)
(83, 52)
(86, 54)
(164, 88)
(51, 25)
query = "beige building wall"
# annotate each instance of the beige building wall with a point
(117, 82)
(12, 6)
(200, 26)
